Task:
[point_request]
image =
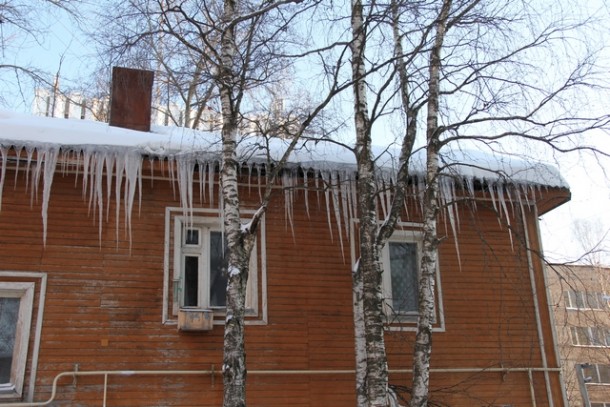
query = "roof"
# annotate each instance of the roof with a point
(34, 132)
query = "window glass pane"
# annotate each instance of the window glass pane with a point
(9, 313)
(191, 281)
(604, 373)
(580, 301)
(591, 372)
(403, 270)
(218, 277)
(566, 299)
(597, 337)
(192, 237)
(583, 336)
(592, 301)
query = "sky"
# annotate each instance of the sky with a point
(567, 232)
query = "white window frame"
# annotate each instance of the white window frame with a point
(25, 292)
(205, 226)
(256, 295)
(404, 232)
(591, 333)
(571, 301)
(594, 372)
(399, 236)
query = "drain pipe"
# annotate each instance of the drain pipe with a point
(530, 266)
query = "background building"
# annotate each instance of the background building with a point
(579, 296)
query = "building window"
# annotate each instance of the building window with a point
(194, 267)
(598, 374)
(16, 301)
(200, 277)
(590, 336)
(585, 300)
(401, 262)
(202, 281)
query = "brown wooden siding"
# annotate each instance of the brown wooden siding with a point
(104, 306)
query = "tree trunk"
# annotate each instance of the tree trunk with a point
(369, 269)
(423, 339)
(234, 360)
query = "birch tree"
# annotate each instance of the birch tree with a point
(237, 48)
(474, 67)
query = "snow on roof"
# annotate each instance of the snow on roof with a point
(36, 132)
(102, 149)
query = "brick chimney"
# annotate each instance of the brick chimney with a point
(131, 97)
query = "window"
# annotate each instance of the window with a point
(401, 260)
(200, 267)
(590, 336)
(202, 281)
(585, 300)
(16, 300)
(194, 270)
(598, 374)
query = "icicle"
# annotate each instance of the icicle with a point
(305, 191)
(336, 207)
(4, 156)
(327, 200)
(288, 186)
(344, 201)
(99, 191)
(502, 201)
(211, 175)
(50, 162)
(17, 156)
(316, 177)
(133, 164)
(448, 199)
(185, 185)
(120, 172)
(29, 152)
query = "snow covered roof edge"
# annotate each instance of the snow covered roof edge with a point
(41, 133)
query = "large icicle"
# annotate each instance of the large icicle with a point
(4, 157)
(49, 156)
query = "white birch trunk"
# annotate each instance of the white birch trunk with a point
(238, 249)
(375, 378)
(423, 339)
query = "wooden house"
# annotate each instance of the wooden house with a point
(111, 284)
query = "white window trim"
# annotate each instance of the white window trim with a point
(25, 292)
(399, 236)
(205, 225)
(405, 230)
(603, 299)
(256, 311)
(589, 334)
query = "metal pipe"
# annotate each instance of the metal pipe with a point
(213, 372)
(532, 391)
(532, 275)
(551, 311)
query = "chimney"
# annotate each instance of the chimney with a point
(131, 97)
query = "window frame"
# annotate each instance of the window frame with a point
(596, 372)
(572, 299)
(25, 292)
(404, 230)
(256, 297)
(593, 334)
(400, 236)
(205, 226)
